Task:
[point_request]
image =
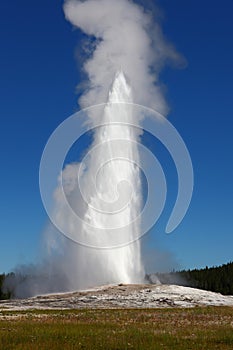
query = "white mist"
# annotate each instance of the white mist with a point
(128, 37)
(110, 186)
(117, 201)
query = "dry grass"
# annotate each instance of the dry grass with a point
(181, 329)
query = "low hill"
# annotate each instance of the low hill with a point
(122, 296)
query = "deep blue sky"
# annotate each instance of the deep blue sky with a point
(37, 87)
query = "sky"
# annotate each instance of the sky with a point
(39, 74)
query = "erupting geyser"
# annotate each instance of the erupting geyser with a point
(117, 202)
(105, 190)
(110, 184)
(98, 202)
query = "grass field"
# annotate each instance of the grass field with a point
(181, 329)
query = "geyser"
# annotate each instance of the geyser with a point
(118, 187)
(125, 53)
(107, 186)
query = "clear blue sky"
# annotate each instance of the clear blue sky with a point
(37, 91)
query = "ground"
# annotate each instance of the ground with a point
(203, 328)
(119, 317)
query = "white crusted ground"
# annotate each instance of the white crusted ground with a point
(122, 296)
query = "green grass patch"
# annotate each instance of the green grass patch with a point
(182, 329)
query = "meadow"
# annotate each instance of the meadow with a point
(182, 329)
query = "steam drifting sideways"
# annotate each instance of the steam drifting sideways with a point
(127, 39)
(99, 203)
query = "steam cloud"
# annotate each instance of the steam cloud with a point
(123, 37)
(127, 39)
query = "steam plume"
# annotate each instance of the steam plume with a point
(126, 46)
(127, 39)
